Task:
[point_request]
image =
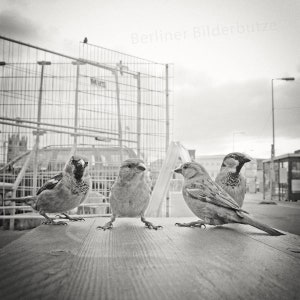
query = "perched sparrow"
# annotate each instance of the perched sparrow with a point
(130, 194)
(230, 178)
(63, 192)
(85, 40)
(210, 202)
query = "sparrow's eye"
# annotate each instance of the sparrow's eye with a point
(184, 167)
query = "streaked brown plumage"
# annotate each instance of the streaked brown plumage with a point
(230, 178)
(130, 194)
(210, 202)
(64, 192)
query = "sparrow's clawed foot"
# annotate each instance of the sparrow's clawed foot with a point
(65, 216)
(198, 223)
(51, 222)
(108, 225)
(149, 224)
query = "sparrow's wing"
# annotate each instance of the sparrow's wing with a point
(51, 183)
(206, 190)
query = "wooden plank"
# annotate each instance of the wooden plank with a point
(289, 243)
(132, 262)
(35, 264)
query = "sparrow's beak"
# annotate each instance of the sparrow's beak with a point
(178, 170)
(247, 158)
(141, 167)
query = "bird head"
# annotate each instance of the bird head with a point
(76, 166)
(234, 161)
(191, 169)
(131, 167)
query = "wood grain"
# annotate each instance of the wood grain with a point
(131, 262)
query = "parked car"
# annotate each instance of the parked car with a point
(104, 163)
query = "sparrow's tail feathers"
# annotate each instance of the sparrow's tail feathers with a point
(261, 226)
(29, 200)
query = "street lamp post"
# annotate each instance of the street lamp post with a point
(272, 172)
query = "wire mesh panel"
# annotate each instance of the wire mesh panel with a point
(105, 105)
(141, 90)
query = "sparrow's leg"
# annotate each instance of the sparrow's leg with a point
(108, 225)
(50, 221)
(149, 224)
(70, 218)
(198, 223)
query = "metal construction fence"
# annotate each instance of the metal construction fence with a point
(104, 104)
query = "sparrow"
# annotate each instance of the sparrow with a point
(63, 192)
(130, 193)
(85, 40)
(210, 202)
(230, 179)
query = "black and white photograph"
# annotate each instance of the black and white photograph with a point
(149, 150)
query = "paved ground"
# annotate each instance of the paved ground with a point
(283, 215)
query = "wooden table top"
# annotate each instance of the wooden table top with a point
(131, 262)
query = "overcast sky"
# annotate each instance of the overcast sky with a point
(224, 54)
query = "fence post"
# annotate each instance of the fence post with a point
(77, 64)
(167, 133)
(167, 110)
(38, 132)
(139, 112)
(119, 114)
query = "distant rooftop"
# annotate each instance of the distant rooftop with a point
(284, 156)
